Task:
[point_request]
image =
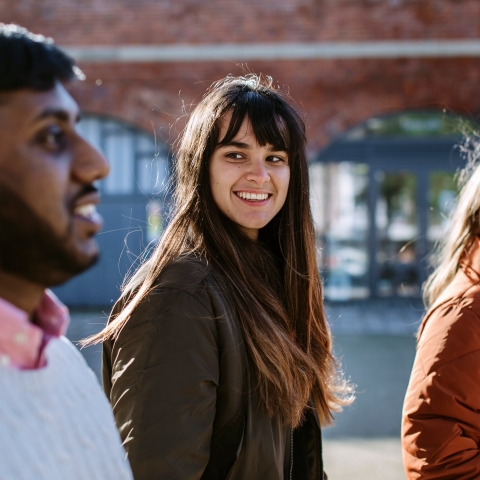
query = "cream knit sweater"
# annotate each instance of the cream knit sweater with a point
(56, 424)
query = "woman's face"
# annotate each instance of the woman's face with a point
(249, 183)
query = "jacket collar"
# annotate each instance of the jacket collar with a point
(466, 277)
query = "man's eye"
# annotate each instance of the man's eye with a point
(50, 138)
(53, 138)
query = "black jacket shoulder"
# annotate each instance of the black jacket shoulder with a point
(185, 273)
(162, 373)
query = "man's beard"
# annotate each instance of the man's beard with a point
(29, 247)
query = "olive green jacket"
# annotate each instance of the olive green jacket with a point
(182, 392)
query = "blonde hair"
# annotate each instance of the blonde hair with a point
(464, 225)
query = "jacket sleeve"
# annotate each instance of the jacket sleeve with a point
(441, 417)
(164, 376)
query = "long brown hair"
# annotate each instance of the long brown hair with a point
(464, 226)
(273, 284)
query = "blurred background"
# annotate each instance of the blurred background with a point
(387, 87)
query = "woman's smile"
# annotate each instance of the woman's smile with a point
(253, 197)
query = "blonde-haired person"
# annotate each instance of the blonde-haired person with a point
(218, 361)
(441, 414)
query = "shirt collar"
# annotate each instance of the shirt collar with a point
(22, 342)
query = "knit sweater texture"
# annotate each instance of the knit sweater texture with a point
(55, 422)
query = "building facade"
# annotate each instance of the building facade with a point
(386, 87)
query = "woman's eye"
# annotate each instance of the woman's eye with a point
(236, 156)
(274, 159)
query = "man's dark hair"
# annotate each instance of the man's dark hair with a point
(32, 61)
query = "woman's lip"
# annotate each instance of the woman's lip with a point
(253, 191)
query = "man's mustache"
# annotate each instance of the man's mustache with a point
(84, 191)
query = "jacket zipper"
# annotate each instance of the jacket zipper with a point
(291, 454)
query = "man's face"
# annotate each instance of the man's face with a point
(47, 198)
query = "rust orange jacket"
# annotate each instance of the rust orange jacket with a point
(441, 414)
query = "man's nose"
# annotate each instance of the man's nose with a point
(89, 164)
(258, 171)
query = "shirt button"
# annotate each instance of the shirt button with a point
(20, 338)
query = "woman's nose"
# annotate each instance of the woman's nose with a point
(258, 171)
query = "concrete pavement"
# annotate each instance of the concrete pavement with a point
(363, 459)
(364, 443)
(380, 367)
(382, 316)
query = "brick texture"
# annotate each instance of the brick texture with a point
(334, 95)
(210, 21)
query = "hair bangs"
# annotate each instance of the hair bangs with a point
(268, 124)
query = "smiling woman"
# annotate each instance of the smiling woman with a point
(249, 181)
(217, 359)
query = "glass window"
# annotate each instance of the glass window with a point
(340, 212)
(119, 150)
(152, 174)
(397, 230)
(138, 164)
(441, 199)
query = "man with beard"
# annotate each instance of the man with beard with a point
(55, 422)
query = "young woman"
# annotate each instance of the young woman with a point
(218, 360)
(441, 416)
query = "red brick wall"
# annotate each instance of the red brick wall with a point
(334, 94)
(211, 21)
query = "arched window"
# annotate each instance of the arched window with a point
(381, 195)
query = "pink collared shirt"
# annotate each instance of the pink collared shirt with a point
(22, 343)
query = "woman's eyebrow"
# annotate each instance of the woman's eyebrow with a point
(235, 144)
(273, 148)
(246, 146)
